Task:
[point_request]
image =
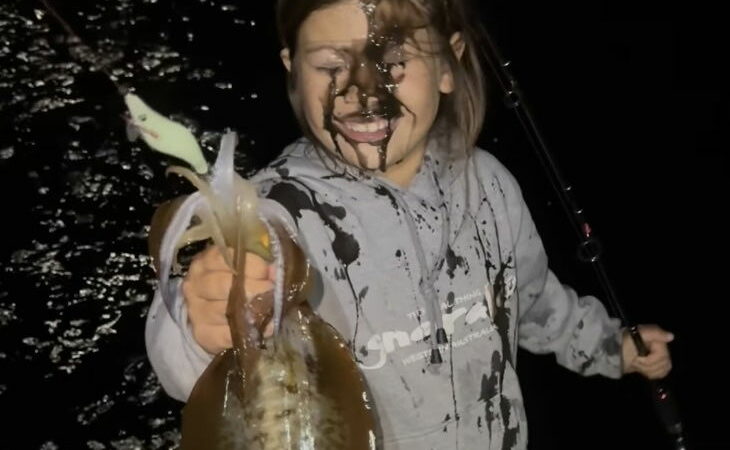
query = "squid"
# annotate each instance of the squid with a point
(295, 388)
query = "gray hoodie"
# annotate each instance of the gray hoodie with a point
(456, 250)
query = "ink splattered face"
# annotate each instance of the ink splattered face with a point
(369, 90)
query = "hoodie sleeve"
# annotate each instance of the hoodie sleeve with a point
(553, 318)
(176, 357)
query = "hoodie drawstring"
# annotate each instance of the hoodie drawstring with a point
(428, 277)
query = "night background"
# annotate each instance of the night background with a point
(631, 97)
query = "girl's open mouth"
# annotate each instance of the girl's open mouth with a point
(367, 131)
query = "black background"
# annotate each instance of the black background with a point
(631, 98)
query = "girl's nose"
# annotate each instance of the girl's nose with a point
(363, 84)
(354, 94)
(365, 77)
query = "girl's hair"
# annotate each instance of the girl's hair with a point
(464, 108)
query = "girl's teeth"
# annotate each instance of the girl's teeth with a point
(370, 127)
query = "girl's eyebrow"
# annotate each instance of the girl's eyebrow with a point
(337, 48)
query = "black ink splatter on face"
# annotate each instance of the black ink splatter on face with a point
(371, 77)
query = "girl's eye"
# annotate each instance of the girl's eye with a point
(395, 59)
(336, 69)
(328, 61)
(396, 56)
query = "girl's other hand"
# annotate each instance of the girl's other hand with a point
(657, 363)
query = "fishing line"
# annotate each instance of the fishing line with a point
(93, 59)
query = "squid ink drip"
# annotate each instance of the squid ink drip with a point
(371, 74)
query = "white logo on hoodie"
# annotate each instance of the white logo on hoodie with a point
(383, 344)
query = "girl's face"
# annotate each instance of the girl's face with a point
(369, 93)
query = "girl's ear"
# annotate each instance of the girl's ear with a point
(457, 45)
(285, 55)
(446, 86)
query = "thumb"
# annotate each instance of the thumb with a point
(655, 333)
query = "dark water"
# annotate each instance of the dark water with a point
(75, 278)
(78, 196)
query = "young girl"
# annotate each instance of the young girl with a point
(428, 261)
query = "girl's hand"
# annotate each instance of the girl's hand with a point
(206, 287)
(657, 363)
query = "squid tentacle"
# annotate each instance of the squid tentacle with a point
(205, 189)
(168, 248)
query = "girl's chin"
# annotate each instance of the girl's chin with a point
(366, 156)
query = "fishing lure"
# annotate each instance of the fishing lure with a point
(163, 134)
(159, 132)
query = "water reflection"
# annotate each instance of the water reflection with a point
(75, 277)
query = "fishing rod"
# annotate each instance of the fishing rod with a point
(589, 247)
(92, 56)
